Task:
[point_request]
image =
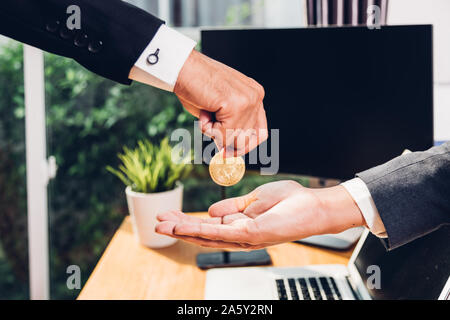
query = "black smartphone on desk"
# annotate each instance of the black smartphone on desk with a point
(233, 259)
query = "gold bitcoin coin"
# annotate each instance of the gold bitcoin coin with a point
(226, 171)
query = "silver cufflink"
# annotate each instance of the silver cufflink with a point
(153, 58)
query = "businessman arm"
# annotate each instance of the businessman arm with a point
(411, 194)
(271, 214)
(113, 33)
(123, 43)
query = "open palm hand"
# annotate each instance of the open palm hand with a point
(271, 214)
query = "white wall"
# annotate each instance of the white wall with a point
(284, 13)
(437, 13)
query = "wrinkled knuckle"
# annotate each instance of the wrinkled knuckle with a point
(243, 100)
(223, 103)
(254, 98)
(264, 135)
(261, 92)
(258, 87)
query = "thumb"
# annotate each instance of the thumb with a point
(231, 206)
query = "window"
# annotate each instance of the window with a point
(216, 13)
(88, 120)
(14, 280)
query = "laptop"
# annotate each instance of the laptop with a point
(339, 241)
(418, 270)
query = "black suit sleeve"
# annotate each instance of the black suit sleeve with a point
(113, 33)
(412, 193)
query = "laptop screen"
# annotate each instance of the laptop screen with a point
(417, 270)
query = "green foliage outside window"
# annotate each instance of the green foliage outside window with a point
(89, 120)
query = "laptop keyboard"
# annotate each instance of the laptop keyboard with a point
(312, 288)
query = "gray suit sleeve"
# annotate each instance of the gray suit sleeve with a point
(412, 193)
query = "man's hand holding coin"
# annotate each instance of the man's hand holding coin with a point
(228, 104)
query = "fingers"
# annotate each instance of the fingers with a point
(178, 216)
(231, 205)
(212, 128)
(246, 140)
(210, 243)
(233, 217)
(237, 141)
(225, 138)
(240, 233)
(260, 133)
(243, 142)
(269, 195)
(234, 233)
(168, 220)
(167, 228)
(222, 244)
(258, 207)
(263, 132)
(232, 246)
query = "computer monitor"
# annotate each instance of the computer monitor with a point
(345, 99)
(417, 270)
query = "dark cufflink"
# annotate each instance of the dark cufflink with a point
(153, 58)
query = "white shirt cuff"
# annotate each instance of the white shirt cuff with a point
(164, 57)
(361, 194)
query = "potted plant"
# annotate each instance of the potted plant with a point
(152, 177)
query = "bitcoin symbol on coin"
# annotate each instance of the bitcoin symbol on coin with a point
(226, 171)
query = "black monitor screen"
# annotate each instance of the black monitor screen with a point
(344, 99)
(417, 270)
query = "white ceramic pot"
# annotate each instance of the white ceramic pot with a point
(144, 207)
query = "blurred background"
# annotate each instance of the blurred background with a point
(90, 119)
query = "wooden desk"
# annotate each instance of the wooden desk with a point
(128, 270)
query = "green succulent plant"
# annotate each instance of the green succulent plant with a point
(151, 168)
